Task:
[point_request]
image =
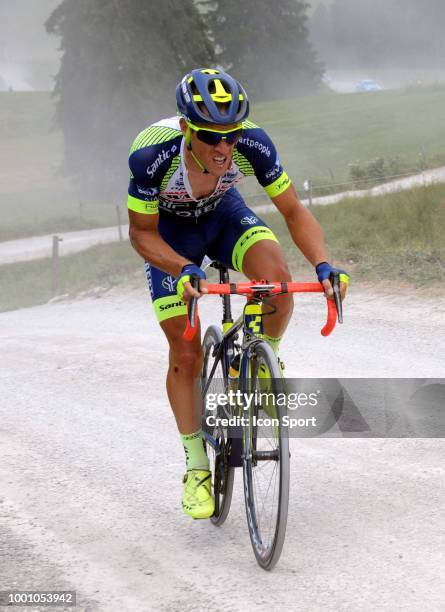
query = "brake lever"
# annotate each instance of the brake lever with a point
(334, 278)
(193, 303)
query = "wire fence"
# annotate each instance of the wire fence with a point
(310, 187)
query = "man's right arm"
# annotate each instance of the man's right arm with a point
(146, 240)
(146, 175)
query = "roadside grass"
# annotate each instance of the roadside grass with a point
(319, 136)
(101, 267)
(396, 237)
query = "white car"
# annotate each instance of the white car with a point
(368, 85)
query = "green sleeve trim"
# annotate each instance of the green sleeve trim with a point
(278, 186)
(168, 307)
(142, 206)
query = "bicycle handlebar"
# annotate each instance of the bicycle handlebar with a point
(264, 288)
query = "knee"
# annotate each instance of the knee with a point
(185, 360)
(275, 269)
(280, 272)
(284, 304)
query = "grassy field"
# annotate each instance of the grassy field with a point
(317, 137)
(393, 237)
(103, 267)
(397, 237)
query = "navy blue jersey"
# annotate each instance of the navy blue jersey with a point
(159, 179)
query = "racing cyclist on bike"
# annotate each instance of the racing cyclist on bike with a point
(183, 205)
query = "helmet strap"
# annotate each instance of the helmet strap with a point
(188, 142)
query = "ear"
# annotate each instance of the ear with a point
(183, 125)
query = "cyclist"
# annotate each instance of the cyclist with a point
(183, 205)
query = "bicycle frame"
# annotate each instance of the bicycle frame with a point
(231, 328)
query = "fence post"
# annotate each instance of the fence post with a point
(55, 266)
(307, 185)
(119, 223)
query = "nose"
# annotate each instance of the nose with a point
(223, 147)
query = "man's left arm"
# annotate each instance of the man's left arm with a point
(306, 232)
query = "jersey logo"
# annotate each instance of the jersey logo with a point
(160, 159)
(149, 191)
(251, 143)
(169, 283)
(274, 171)
(249, 220)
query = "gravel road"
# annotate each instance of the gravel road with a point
(26, 249)
(91, 466)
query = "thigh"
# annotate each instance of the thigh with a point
(240, 229)
(162, 287)
(265, 260)
(186, 239)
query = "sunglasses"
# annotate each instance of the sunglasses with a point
(214, 137)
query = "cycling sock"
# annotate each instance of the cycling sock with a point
(195, 455)
(274, 342)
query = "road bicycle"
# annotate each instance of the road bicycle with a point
(244, 425)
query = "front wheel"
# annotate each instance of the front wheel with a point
(265, 453)
(218, 444)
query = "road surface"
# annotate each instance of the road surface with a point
(91, 466)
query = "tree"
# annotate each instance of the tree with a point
(265, 45)
(121, 62)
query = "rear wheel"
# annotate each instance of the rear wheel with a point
(218, 444)
(265, 456)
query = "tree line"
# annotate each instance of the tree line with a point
(122, 59)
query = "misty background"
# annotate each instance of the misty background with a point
(114, 65)
(79, 79)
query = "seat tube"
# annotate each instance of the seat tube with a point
(227, 307)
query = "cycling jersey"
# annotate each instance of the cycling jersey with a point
(159, 180)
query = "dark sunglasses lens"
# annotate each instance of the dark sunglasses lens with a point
(233, 137)
(214, 138)
(210, 138)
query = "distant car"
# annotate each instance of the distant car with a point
(368, 85)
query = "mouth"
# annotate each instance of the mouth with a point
(219, 160)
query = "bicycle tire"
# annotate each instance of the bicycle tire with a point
(217, 442)
(268, 554)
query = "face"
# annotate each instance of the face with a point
(216, 158)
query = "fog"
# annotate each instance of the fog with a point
(361, 40)
(29, 57)
(353, 39)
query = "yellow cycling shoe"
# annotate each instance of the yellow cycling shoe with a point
(197, 500)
